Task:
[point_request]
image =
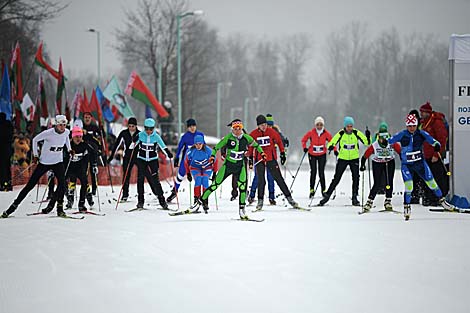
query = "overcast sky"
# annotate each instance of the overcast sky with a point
(66, 36)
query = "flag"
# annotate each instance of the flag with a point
(96, 109)
(113, 93)
(84, 106)
(27, 108)
(60, 91)
(5, 94)
(40, 113)
(17, 73)
(39, 60)
(138, 90)
(105, 107)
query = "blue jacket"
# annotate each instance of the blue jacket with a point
(412, 144)
(186, 141)
(198, 158)
(148, 146)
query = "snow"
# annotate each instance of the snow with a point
(327, 260)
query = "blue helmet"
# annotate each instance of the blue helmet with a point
(149, 122)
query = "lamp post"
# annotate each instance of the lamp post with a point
(178, 60)
(92, 30)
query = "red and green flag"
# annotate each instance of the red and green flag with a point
(16, 79)
(96, 108)
(39, 60)
(41, 107)
(137, 89)
(60, 91)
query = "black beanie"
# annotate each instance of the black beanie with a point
(190, 122)
(260, 119)
(132, 121)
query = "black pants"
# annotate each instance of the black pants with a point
(273, 168)
(127, 162)
(40, 170)
(380, 171)
(80, 173)
(340, 168)
(93, 163)
(5, 170)
(440, 176)
(148, 170)
(321, 160)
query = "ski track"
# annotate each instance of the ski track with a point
(327, 260)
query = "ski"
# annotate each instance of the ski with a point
(68, 217)
(381, 211)
(136, 209)
(89, 212)
(248, 220)
(183, 213)
(36, 213)
(456, 210)
(299, 208)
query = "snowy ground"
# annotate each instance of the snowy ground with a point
(327, 260)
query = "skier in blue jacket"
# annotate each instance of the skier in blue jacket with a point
(147, 162)
(412, 140)
(186, 142)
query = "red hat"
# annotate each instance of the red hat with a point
(426, 107)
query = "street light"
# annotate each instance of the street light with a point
(97, 32)
(178, 60)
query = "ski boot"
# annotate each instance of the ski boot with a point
(4, 215)
(291, 201)
(367, 206)
(163, 203)
(446, 205)
(407, 211)
(140, 205)
(242, 212)
(89, 199)
(259, 205)
(323, 193)
(124, 199)
(48, 209)
(326, 197)
(388, 204)
(60, 210)
(272, 201)
(172, 196)
(10, 210)
(354, 201)
(205, 205)
(250, 200)
(312, 193)
(81, 206)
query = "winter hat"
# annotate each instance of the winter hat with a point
(270, 119)
(260, 119)
(426, 107)
(60, 119)
(199, 139)
(348, 120)
(190, 122)
(149, 122)
(236, 122)
(411, 120)
(132, 121)
(77, 131)
(319, 119)
(383, 127)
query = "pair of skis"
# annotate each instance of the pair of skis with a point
(194, 210)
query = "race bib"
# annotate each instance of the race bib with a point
(263, 141)
(414, 156)
(318, 148)
(349, 146)
(56, 149)
(236, 155)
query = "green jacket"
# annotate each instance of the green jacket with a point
(348, 143)
(236, 148)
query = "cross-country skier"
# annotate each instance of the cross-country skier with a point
(49, 158)
(412, 160)
(198, 166)
(128, 137)
(92, 136)
(383, 166)
(318, 137)
(348, 140)
(186, 141)
(147, 163)
(237, 143)
(267, 138)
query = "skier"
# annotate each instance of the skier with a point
(147, 163)
(267, 138)
(186, 141)
(383, 167)
(412, 160)
(348, 139)
(92, 136)
(319, 137)
(237, 143)
(127, 137)
(198, 166)
(51, 157)
(77, 169)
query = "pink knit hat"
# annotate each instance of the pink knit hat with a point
(77, 131)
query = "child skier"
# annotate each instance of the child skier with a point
(383, 167)
(198, 166)
(50, 158)
(412, 160)
(147, 163)
(186, 141)
(237, 143)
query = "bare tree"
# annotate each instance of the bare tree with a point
(29, 10)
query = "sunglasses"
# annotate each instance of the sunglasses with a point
(131, 125)
(149, 128)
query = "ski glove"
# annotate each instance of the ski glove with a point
(176, 161)
(168, 153)
(437, 146)
(283, 158)
(190, 177)
(263, 156)
(336, 152)
(250, 163)
(305, 150)
(72, 153)
(363, 164)
(94, 170)
(211, 159)
(330, 148)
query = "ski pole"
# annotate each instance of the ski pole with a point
(98, 192)
(297, 172)
(44, 194)
(22, 172)
(125, 176)
(443, 165)
(386, 175)
(334, 191)
(362, 196)
(368, 160)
